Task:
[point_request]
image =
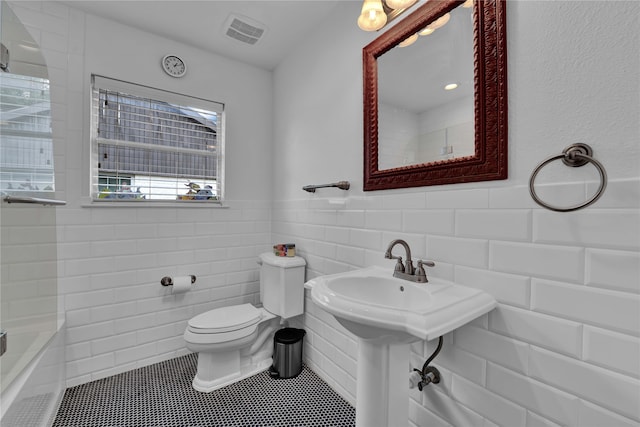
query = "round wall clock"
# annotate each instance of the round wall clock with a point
(174, 66)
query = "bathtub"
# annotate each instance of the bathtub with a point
(36, 387)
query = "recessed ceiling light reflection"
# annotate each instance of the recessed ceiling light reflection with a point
(451, 86)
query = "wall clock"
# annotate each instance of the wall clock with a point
(174, 65)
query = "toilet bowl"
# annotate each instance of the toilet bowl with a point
(231, 343)
(235, 342)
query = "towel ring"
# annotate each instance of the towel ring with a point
(575, 155)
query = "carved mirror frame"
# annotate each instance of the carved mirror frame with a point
(490, 101)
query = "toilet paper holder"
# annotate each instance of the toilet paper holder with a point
(168, 281)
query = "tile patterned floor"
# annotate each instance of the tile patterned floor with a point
(161, 395)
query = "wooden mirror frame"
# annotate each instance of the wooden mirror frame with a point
(490, 101)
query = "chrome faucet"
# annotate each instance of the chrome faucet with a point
(407, 272)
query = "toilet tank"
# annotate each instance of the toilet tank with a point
(282, 284)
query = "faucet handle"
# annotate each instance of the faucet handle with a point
(399, 265)
(422, 275)
(427, 263)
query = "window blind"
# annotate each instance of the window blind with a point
(150, 144)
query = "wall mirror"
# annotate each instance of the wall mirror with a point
(419, 129)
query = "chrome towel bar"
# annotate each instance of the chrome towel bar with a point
(343, 185)
(36, 200)
(575, 155)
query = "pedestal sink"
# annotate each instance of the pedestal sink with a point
(387, 314)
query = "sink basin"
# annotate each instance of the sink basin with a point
(374, 305)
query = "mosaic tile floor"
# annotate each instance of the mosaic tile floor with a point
(161, 395)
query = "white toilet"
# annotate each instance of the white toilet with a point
(236, 342)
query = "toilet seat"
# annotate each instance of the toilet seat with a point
(226, 326)
(225, 319)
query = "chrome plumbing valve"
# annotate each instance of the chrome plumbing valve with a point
(428, 376)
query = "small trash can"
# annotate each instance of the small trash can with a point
(287, 353)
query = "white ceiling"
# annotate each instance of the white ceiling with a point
(200, 23)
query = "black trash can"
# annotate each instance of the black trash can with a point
(287, 353)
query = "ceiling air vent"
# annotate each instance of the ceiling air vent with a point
(244, 29)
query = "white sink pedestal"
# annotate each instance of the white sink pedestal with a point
(382, 392)
(387, 314)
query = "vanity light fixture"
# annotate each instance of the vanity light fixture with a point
(372, 16)
(399, 4)
(408, 41)
(375, 14)
(440, 22)
(429, 29)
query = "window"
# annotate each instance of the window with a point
(26, 152)
(152, 145)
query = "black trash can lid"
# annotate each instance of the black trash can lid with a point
(289, 335)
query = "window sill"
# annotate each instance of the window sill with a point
(91, 203)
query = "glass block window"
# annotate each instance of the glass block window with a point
(153, 145)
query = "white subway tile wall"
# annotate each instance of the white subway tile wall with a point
(563, 346)
(119, 317)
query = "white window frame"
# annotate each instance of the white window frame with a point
(104, 83)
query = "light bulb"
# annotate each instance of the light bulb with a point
(451, 86)
(440, 22)
(426, 31)
(399, 4)
(408, 41)
(372, 17)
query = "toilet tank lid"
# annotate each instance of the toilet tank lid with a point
(281, 261)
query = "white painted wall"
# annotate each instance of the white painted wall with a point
(111, 260)
(563, 347)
